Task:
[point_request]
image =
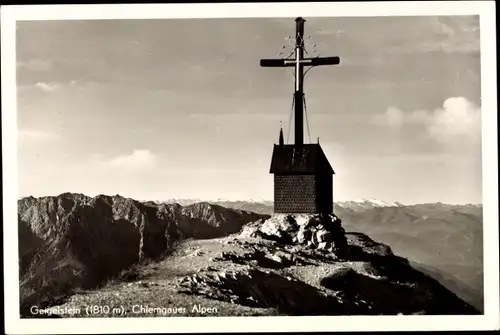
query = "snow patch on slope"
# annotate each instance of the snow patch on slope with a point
(364, 203)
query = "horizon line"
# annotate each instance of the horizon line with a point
(254, 200)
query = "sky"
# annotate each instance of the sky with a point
(180, 108)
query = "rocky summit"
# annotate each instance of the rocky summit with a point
(153, 259)
(316, 231)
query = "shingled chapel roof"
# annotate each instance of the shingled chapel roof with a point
(303, 159)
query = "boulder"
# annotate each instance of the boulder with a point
(279, 228)
(303, 236)
(324, 236)
(322, 246)
(279, 223)
(302, 220)
(327, 246)
(283, 258)
(249, 231)
(314, 240)
(313, 221)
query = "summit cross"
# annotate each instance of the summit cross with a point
(299, 62)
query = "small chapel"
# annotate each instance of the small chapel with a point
(303, 177)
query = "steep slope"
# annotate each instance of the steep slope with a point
(29, 243)
(451, 280)
(73, 241)
(445, 240)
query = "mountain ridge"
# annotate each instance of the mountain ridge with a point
(374, 201)
(89, 239)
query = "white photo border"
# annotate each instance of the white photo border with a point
(486, 11)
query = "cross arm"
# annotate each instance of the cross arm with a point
(323, 61)
(275, 63)
(316, 61)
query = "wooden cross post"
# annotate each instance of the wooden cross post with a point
(299, 62)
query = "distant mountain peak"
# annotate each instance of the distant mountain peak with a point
(376, 202)
(367, 203)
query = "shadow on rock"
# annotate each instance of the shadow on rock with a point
(382, 296)
(398, 289)
(256, 288)
(270, 260)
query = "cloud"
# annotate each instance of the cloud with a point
(138, 160)
(393, 118)
(442, 34)
(32, 135)
(34, 65)
(457, 120)
(447, 47)
(47, 87)
(458, 117)
(51, 87)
